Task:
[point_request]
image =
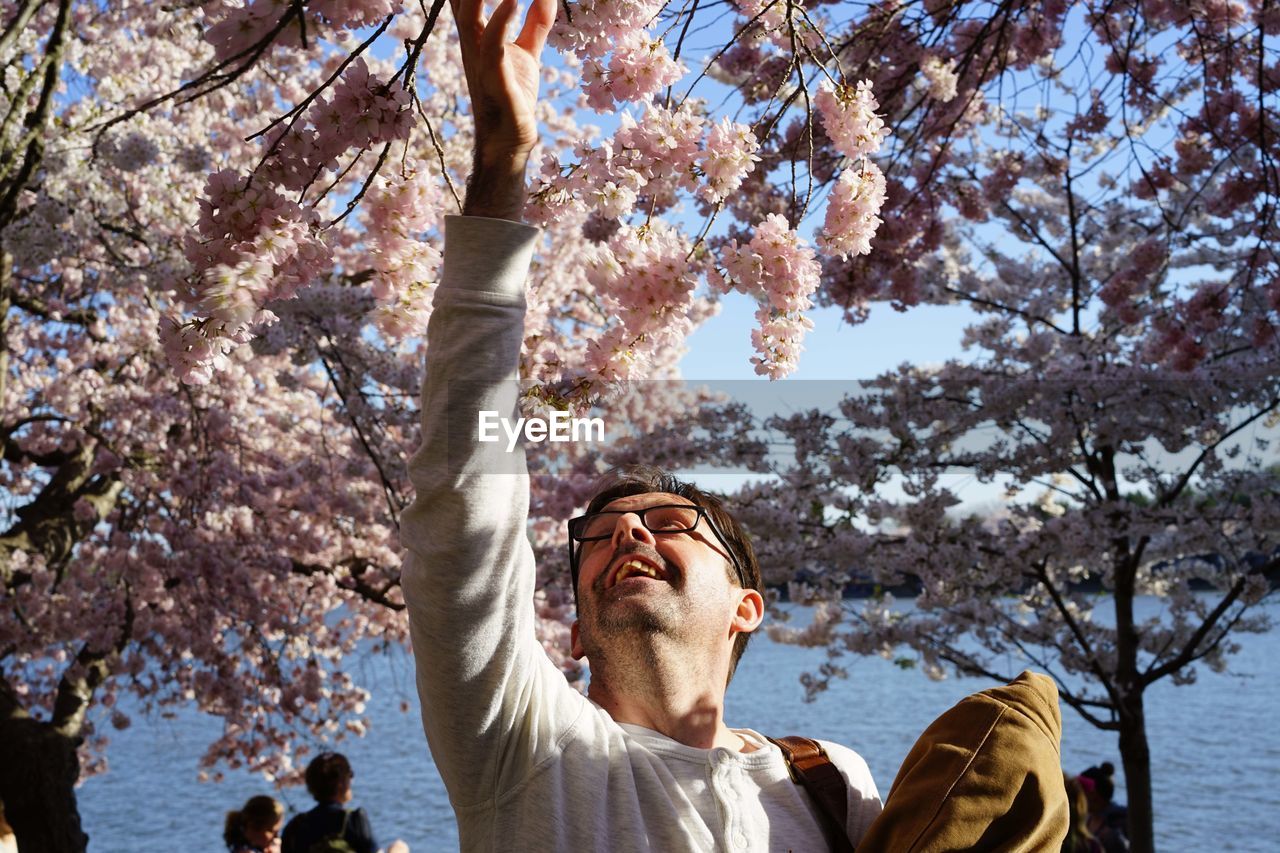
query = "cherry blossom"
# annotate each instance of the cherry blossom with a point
(850, 120)
(851, 212)
(221, 227)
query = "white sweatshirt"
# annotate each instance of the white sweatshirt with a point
(530, 763)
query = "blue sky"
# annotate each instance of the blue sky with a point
(721, 347)
(720, 351)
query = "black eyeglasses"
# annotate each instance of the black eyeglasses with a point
(661, 520)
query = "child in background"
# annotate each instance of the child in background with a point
(255, 828)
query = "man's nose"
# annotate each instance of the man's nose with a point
(631, 528)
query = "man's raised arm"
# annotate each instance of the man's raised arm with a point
(502, 78)
(468, 573)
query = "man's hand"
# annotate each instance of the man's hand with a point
(503, 79)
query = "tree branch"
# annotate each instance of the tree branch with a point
(36, 120)
(1189, 649)
(91, 669)
(356, 569)
(50, 525)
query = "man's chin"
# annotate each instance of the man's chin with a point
(633, 611)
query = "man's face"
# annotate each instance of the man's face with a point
(639, 582)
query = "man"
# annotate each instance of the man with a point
(328, 780)
(667, 585)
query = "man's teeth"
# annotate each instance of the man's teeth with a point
(632, 568)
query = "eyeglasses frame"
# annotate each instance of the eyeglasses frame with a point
(703, 514)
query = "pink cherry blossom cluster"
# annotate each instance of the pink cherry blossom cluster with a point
(362, 112)
(1181, 340)
(728, 156)
(257, 247)
(852, 211)
(353, 14)
(595, 181)
(622, 59)
(365, 109)
(397, 216)
(1123, 290)
(193, 355)
(645, 280)
(656, 156)
(253, 245)
(664, 143)
(591, 28)
(769, 15)
(260, 247)
(1195, 154)
(638, 68)
(850, 120)
(781, 271)
(779, 339)
(131, 152)
(239, 28)
(940, 78)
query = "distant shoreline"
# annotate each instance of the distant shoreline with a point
(913, 587)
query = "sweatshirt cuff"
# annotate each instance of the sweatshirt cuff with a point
(483, 255)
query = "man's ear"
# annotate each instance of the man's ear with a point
(750, 612)
(575, 647)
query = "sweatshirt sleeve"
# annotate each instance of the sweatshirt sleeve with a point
(492, 702)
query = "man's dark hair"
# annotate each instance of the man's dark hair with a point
(327, 774)
(647, 479)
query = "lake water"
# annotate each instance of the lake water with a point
(1215, 749)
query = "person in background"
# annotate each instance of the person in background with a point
(331, 823)
(1108, 821)
(255, 828)
(1079, 839)
(329, 778)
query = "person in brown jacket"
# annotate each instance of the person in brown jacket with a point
(986, 775)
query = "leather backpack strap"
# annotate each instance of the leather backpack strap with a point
(811, 767)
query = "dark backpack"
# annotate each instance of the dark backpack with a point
(335, 843)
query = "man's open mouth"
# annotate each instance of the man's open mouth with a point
(633, 567)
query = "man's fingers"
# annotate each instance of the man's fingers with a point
(468, 12)
(495, 32)
(537, 24)
(468, 17)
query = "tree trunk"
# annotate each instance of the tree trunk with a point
(1136, 757)
(38, 772)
